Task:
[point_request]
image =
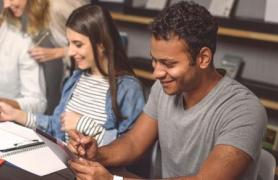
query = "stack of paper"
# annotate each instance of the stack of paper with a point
(35, 158)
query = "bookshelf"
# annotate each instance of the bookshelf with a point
(223, 31)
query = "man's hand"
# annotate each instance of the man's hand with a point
(88, 170)
(69, 120)
(83, 146)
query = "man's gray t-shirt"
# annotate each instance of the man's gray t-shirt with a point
(230, 114)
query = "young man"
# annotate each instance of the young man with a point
(209, 126)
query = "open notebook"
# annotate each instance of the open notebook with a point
(24, 148)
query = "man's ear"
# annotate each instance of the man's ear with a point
(204, 58)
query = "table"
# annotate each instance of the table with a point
(8, 172)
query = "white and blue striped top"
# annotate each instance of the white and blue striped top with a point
(88, 100)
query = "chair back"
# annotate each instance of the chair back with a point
(267, 166)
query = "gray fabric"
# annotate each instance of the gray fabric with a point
(230, 114)
(53, 71)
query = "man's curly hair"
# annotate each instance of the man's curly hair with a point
(191, 23)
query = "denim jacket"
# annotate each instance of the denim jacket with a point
(130, 99)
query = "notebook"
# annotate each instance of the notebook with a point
(24, 148)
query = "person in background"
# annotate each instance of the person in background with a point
(102, 98)
(22, 83)
(209, 126)
(44, 22)
(37, 17)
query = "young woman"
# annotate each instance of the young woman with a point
(44, 22)
(102, 97)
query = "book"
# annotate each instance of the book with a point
(221, 8)
(24, 148)
(156, 4)
(257, 12)
(271, 13)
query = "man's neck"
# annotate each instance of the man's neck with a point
(206, 84)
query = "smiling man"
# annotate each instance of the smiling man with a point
(209, 126)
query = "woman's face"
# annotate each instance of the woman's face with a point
(16, 6)
(80, 49)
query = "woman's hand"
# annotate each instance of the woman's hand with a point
(42, 54)
(69, 120)
(8, 113)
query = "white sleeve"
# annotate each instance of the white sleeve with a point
(32, 85)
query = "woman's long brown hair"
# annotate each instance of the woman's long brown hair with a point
(96, 23)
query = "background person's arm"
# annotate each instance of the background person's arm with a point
(11, 102)
(32, 96)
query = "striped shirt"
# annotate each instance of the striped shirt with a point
(88, 100)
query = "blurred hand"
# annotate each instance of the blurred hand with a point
(42, 54)
(83, 146)
(7, 112)
(69, 120)
(88, 170)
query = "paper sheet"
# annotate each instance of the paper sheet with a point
(39, 160)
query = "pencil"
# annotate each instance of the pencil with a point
(97, 133)
(41, 39)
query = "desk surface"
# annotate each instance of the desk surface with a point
(8, 172)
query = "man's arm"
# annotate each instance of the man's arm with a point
(123, 150)
(224, 162)
(132, 145)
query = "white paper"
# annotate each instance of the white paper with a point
(271, 13)
(221, 8)
(40, 160)
(11, 133)
(7, 140)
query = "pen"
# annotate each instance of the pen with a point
(23, 146)
(21, 143)
(97, 133)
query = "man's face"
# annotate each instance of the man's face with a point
(173, 65)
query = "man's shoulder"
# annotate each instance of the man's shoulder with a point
(239, 91)
(238, 98)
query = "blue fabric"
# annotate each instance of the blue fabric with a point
(130, 99)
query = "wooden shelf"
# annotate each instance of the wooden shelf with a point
(131, 19)
(144, 74)
(269, 103)
(223, 31)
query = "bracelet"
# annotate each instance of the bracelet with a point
(118, 177)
